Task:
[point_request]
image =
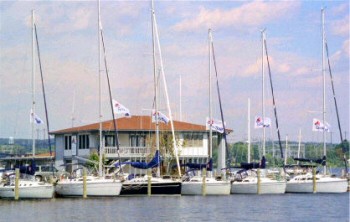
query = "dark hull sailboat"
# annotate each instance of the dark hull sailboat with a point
(159, 186)
(138, 185)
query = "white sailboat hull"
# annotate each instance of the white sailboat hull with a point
(212, 187)
(267, 186)
(304, 184)
(28, 190)
(96, 187)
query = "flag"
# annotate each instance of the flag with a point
(120, 109)
(161, 117)
(215, 125)
(35, 118)
(259, 123)
(318, 126)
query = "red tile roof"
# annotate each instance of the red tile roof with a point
(134, 123)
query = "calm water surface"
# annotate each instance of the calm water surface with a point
(287, 207)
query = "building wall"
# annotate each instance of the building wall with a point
(197, 149)
(124, 139)
(59, 146)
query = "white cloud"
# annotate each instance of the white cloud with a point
(341, 27)
(340, 9)
(253, 14)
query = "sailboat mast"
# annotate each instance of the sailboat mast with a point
(263, 88)
(33, 84)
(210, 99)
(155, 86)
(286, 155)
(100, 89)
(299, 145)
(248, 155)
(324, 88)
(180, 98)
(166, 94)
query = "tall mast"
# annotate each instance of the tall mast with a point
(166, 94)
(263, 88)
(210, 99)
(299, 145)
(33, 84)
(248, 155)
(99, 91)
(324, 88)
(180, 98)
(155, 85)
(286, 155)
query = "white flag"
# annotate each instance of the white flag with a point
(215, 124)
(35, 118)
(161, 117)
(318, 126)
(120, 109)
(259, 123)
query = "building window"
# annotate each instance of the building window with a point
(84, 142)
(193, 140)
(109, 140)
(67, 142)
(138, 141)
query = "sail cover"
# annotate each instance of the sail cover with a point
(319, 161)
(30, 169)
(199, 166)
(254, 165)
(143, 165)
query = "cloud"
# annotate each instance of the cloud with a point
(340, 9)
(341, 27)
(344, 52)
(253, 14)
(80, 18)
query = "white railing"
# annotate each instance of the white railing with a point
(127, 151)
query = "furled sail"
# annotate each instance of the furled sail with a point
(143, 165)
(200, 166)
(319, 161)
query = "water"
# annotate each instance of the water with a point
(286, 207)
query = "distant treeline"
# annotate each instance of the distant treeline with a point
(23, 146)
(335, 153)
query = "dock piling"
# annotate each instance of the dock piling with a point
(17, 184)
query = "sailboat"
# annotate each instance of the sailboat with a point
(28, 187)
(251, 180)
(320, 183)
(95, 185)
(158, 185)
(203, 185)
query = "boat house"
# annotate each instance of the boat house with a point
(136, 136)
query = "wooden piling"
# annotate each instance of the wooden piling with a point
(204, 187)
(149, 185)
(84, 184)
(258, 182)
(314, 188)
(17, 184)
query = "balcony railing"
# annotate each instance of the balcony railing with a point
(127, 151)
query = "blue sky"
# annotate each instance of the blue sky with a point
(68, 41)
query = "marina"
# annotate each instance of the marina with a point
(114, 136)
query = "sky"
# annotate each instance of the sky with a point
(68, 40)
